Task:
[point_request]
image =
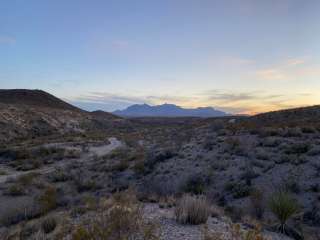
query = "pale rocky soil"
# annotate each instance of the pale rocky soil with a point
(171, 230)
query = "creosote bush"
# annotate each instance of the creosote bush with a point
(192, 210)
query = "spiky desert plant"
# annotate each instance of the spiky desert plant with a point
(283, 207)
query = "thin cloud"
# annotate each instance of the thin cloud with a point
(7, 40)
(120, 44)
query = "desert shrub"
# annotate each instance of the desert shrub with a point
(156, 187)
(209, 143)
(293, 132)
(59, 175)
(270, 142)
(256, 199)
(249, 174)
(85, 184)
(208, 235)
(27, 231)
(48, 225)
(27, 179)
(233, 145)
(298, 148)
(195, 184)
(139, 167)
(192, 210)
(153, 157)
(72, 153)
(314, 151)
(291, 183)
(261, 154)
(253, 234)
(315, 187)
(48, 199)
(15, 190)
(283, 206)
(120, 218)
(238, 190)
(235, 213)
(120, 166)
(19, 213)
(268, 132)
(312, 216)
(309, 130)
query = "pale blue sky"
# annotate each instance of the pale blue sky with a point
(237, 55)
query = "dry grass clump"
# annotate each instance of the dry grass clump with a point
(120, 218)
(192, 210)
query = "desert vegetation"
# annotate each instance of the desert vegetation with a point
(156, 178)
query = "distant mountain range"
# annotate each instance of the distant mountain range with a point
(168, 110)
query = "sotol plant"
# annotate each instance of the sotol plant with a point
(283, 207)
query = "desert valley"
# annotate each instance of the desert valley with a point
(66, 173)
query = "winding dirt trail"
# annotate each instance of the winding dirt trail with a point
(99, 151)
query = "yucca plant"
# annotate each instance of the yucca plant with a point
(283, 207)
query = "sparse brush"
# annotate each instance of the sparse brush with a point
(48, 225)
(256, 198)
(48, 199)
(192, 210)
(208, 235)
(121, 218)
(283, 207)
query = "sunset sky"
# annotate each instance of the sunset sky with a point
(240, 56)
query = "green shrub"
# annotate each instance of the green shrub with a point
(192, 210)
(283, 207)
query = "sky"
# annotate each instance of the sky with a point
(240, 56)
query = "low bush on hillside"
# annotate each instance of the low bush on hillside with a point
(192, 210)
